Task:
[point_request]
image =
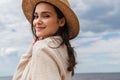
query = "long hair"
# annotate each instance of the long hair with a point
(64, 33)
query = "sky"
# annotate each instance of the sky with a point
(97, 45)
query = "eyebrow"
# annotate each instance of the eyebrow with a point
(44, 12)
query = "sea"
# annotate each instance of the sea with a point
(86, 76)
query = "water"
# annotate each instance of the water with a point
(87, 76)
(97, 76)
(6, 78)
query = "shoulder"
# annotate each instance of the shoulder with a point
(53, 41)
(51, 46)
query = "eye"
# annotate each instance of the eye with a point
(35, 16)
(46, 16)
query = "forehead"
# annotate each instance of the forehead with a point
(44, 7)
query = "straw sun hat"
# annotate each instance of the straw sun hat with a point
(63, 5)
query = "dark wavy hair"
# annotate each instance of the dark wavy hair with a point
(64, 33)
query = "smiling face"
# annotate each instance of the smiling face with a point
(46, 22)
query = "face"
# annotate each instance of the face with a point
(46, 22)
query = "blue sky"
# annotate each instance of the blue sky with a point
(97, 46)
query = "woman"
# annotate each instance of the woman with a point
(50, 56)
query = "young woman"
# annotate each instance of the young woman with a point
(50, 56)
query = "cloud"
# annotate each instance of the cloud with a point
(15, 30)
(98, 16)
(15, 35)
(99, 44)
(97, 50)
(8, 60)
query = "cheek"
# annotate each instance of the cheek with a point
(51, 23)
(33, 22)
(52, 26)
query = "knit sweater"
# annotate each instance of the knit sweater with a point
(46, 60)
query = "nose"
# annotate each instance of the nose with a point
(39, 20)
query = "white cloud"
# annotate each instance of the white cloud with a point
(15, 35)
(107, 46)
(15, 30)
(9, 51)
(114, 62)
(79, 6)
(98, 16)
(98, 52)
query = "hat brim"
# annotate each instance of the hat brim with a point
(71, 18)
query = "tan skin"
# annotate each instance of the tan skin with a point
(46, 22)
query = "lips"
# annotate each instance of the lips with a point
(40, 28)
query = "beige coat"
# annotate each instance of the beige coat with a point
(44, 62)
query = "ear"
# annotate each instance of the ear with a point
(61, 22)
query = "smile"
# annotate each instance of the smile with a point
(40, 28)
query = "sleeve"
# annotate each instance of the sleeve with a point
(22, 64)
(45, 65)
